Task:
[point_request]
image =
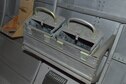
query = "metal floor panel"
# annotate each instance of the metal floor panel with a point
(12, 55)
(9, 76)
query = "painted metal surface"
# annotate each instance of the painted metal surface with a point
(15, 64)
(116, 70)
(109, 58)
(8, 9)
(35, 41)
(10, 76)
(116, 73)
(96, 8)
(99, 16)
(2, 10)
(45, 69)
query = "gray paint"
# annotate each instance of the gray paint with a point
(117, 65)
(20, 63)
(10, 75)
(2, 10)
(96, 8)
(49, 49)
(44, 69)
(8, 9)
(108, 9)
(105, 25)
(116, 73)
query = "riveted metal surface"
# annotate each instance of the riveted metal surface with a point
(114, 7)
(100, 8)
